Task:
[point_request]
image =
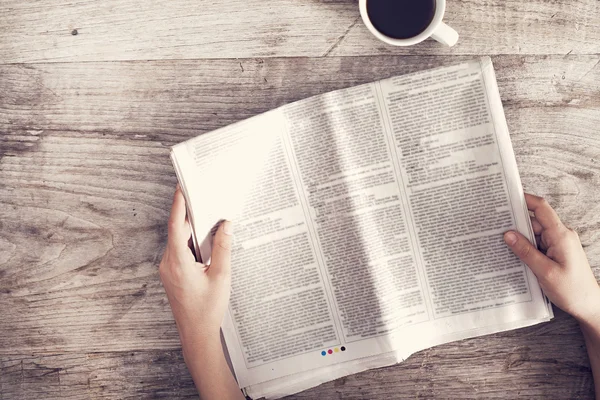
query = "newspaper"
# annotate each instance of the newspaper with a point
(368, 223)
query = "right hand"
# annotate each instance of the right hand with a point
(563, 272)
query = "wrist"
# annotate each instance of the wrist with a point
(193, 332)
(589, 322)
(591, 317)
(200, 337)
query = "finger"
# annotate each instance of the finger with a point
(179, 230)
(544, 214)
(538, 241)
(221, 249)
(537, 227)
(540, 244)
(539, 263)
(544, 240)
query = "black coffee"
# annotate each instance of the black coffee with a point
(401, 19)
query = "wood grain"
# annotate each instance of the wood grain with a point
(61, 30)
(132, 375)
(546, 361)
(85, 189)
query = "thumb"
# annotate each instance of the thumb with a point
(221, 249)
(522, 247)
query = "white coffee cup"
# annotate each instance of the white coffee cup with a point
(436, 30)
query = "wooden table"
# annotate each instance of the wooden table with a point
(93, 94)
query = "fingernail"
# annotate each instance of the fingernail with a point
(510, 238)
(227, 228)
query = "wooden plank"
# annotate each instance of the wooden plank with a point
(532, 362)
(169, 101)
(130, 375)
(61, 30)
(86, 184)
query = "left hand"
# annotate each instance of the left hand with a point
(198, 294)
(562, 268)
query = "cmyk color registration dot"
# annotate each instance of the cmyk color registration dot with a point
(334, 350)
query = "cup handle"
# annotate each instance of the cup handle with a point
(445, 35)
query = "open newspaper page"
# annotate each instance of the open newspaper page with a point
(282, 317)
(368, 226)
(462, 189)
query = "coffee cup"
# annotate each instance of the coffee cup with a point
(407, 22)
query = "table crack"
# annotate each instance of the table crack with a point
(341, 38)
